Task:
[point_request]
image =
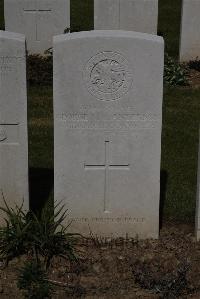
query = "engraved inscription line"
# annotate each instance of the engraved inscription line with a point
(106, 167)
(97, 119)
(8, 63)
(109, 219)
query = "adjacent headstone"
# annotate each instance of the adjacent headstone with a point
(39, 20)
(13, 121)
(136, 15)
(190, 31)
(198, 199)
(108, 115)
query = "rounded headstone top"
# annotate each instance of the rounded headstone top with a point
(107, 34)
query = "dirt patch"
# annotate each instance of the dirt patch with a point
(164, 268)
(194, 78)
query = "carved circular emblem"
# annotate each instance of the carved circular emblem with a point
(107, 76)
(3, 135)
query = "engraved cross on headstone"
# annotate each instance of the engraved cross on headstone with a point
(37, 12)
(106, 166)
(3, 135)
(3, 131)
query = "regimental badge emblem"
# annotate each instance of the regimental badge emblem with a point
(108, 76)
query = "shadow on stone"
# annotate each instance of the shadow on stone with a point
(41, 182)
(163, 189)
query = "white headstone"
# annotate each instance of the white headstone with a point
(13, 121)
(198, 198)
(190, 30)
(136, 15)
(108, 115)
(39, 20)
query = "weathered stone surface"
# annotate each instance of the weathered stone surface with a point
(13, 120)
(136, 15)
(198, 199)
(190, 30)
(108, 116)
(39, 20)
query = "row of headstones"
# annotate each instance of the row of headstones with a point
(41, 20)
(107, 129)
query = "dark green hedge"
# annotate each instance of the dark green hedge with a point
(40, 69)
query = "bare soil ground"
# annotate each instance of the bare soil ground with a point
(194, 78)
(164, 268)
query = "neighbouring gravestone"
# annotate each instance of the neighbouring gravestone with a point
(136, 15)
(39, 20)
(198, 199)
(108, 114)
(190, 30)
(13, 121)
